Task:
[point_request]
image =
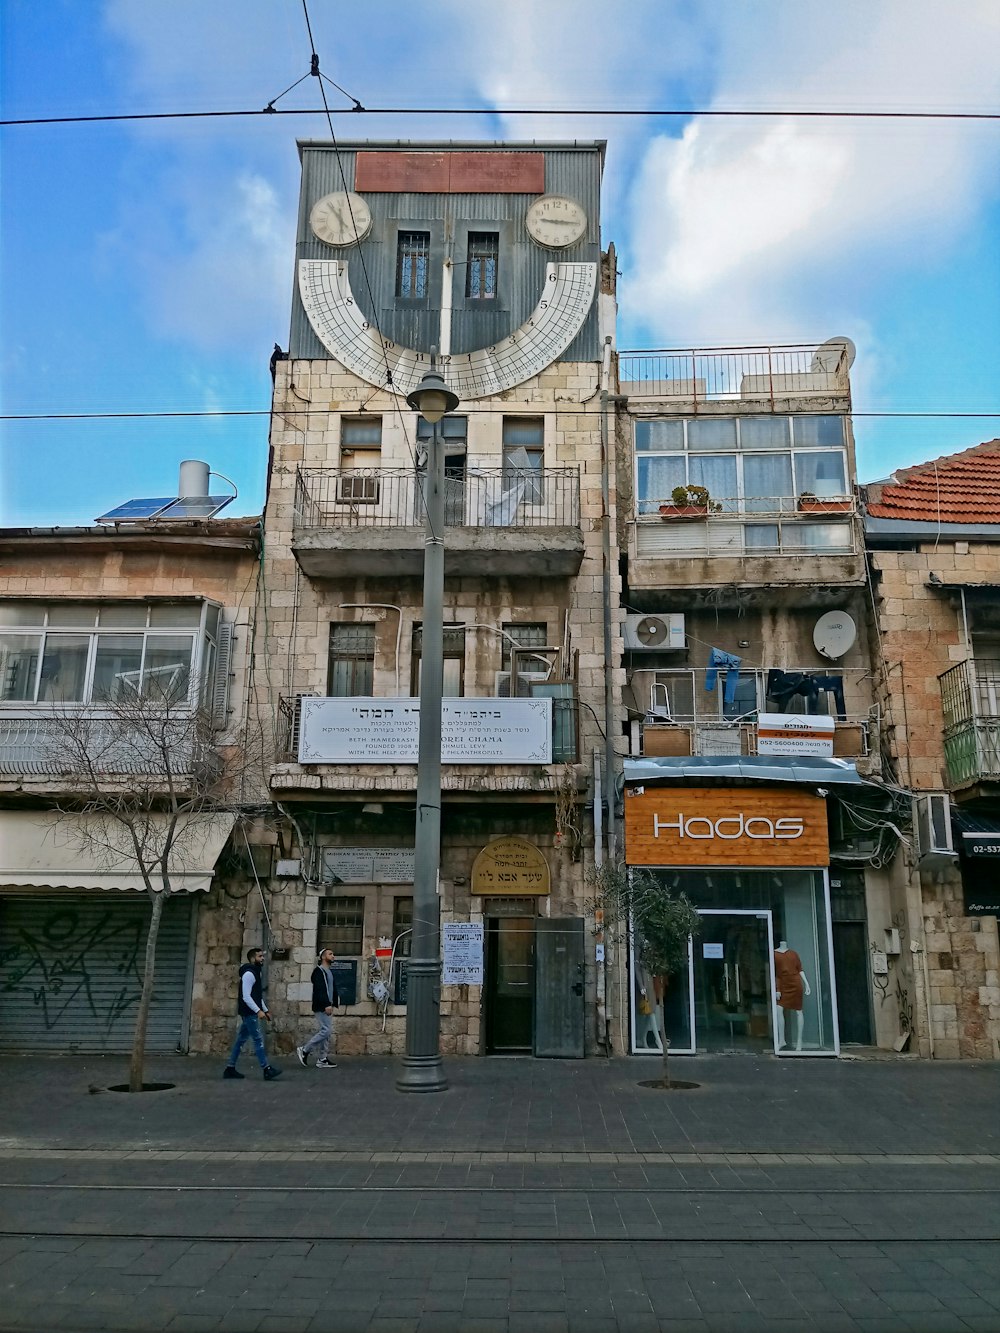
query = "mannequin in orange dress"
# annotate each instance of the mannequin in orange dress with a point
(790, 983)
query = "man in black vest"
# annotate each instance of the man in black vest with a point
(251, 1007)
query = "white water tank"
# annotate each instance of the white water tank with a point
(193, 479)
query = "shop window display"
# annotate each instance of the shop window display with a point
(759, 977)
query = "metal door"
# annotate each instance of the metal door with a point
(851, 963)
(559, 1002)
(71, 969)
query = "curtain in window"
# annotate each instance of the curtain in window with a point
(657, 478)
(767, 481)
(717, 473)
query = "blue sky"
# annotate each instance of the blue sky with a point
(148, 266)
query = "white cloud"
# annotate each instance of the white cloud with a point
(771, 226)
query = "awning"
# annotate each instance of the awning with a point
(46, 849)
(978, 835)
(758, 768)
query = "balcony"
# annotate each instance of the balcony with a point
(678, 717)
(498, 522)
(773, 542)
(774, 376)
(970, 703)
(42, 750)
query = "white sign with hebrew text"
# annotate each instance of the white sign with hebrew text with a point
(387, 731)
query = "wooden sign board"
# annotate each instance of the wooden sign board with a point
(724, 826)
(510, 867)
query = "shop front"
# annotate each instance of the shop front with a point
(754, 862)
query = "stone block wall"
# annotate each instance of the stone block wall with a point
(922, 636)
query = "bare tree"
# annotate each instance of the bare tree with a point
(142, 785)
(660, 923)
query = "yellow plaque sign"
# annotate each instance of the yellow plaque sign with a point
(510, 866)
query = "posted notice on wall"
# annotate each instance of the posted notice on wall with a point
(462, 954)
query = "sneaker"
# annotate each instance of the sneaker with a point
(271, 1073)
(231, 1071)
(303, 1057)
(326, 1064)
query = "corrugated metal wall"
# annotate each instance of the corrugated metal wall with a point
(448, 217)
(70, 972)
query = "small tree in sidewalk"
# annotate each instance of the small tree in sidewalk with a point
(660, 921)
(143, 786)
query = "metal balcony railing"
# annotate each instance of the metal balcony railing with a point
(970, 704)
(748, 525)
(854, 738)
(682, 717)
(32, 745)
(394, 498)
(750, 374)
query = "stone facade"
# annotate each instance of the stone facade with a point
(924, 631)
(546, 804)
(215, 562)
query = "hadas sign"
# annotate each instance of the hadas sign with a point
(724, 826)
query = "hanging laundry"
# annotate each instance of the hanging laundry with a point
(730, 663)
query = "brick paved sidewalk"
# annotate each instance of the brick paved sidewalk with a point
(745, 1104)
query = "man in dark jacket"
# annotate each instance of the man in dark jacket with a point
(324, 1000)
(251, 1008)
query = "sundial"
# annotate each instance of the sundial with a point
(340, 325)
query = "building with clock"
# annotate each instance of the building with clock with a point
(488, 258)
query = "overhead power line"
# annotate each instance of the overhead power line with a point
(446, 111)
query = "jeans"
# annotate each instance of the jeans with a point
(320, 1040)
(249, 1031)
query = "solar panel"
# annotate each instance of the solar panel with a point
(133, 511)
(196, 506)
(166, 507)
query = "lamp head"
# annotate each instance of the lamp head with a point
(432, 398)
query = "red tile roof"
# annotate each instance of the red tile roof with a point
(959, 488)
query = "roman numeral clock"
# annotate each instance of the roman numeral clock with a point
(343, 220)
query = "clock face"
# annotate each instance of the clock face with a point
(555, 221)
(341, 218)
(343, 330)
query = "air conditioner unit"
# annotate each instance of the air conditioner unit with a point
(525, 679)
(933, 821)
(654, 633)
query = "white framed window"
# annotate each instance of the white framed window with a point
(94, 652)
(753, 464)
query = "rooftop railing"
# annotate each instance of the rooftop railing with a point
(479, 498)
(702, 375)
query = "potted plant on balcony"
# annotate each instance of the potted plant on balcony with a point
(689, 502)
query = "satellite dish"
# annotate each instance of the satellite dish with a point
(652, 631)
(834, 634)
(827, 357)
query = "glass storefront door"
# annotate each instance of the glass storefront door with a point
(732, 982)
(754, 924)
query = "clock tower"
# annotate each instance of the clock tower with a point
(489, 254)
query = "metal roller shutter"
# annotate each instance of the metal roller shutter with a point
(71, 967)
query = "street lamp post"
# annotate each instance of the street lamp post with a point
(422, 1070)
